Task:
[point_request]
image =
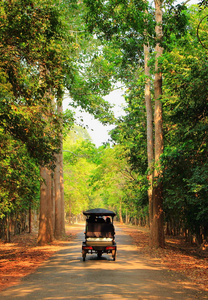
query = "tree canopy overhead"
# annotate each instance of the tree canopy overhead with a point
(32, 64)
(46, 50)
(40, 58)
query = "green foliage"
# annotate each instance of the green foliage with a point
(98, 177)
(39, 59)
(122, 24)
(203, 3)
(186, 119)
(19, 182)
(33, 63)
(175, 24)
(131, 24)
(184, 67)
(79, 157)
(130, 133)
(113, 17)
(93, 79)
(45, 50)
(118, 185)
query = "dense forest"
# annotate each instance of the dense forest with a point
(154, 172)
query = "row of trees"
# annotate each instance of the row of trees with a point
(28, 62)
(176, 179)
(42, 50)
(152, 172)
(183, 65)
(100, 177)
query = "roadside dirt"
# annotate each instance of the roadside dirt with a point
(177, 255)
(23, 256)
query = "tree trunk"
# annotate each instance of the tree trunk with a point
(62, 191)
(45, 234)
(127, 217)
(157, 230)
(150, 142)
(30, 219)
(70, 213)
(120, 213)
(8, 229)
(57, 189)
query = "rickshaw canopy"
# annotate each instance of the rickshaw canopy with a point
(99, 212)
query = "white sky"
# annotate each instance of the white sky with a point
(97, 131)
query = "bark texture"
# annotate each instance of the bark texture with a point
(45, 234)
(57, 194)
(59, 190)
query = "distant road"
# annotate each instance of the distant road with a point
(66, 276)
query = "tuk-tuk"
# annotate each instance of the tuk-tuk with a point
(99, 233)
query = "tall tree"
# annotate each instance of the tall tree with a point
(59, 229)
(150, 140)
(34, 78)
(30, 79)
(156, 229)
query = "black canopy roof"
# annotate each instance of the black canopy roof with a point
(99, 212)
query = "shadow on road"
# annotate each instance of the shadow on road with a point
(66, 276)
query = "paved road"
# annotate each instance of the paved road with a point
(66, 276)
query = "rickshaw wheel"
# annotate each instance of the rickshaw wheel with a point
(83, 255)
(99, 254)
(114, 255)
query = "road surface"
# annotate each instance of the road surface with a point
(66, 276)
